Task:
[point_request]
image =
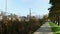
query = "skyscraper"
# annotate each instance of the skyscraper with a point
(30, 12)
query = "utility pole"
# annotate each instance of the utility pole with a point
(4, 13)
(6, 5)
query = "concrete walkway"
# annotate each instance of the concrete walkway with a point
(44, 29)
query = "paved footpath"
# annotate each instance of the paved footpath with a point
(44, 29)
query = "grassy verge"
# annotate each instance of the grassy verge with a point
(55, 28)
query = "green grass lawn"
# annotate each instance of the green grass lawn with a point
(55, 28)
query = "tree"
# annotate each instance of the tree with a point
(54, 11)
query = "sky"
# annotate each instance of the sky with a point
(21, 7)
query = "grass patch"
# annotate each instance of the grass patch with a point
(55, 28)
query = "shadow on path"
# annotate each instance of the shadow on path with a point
(44, 29)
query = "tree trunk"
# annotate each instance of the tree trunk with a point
(58, 21)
